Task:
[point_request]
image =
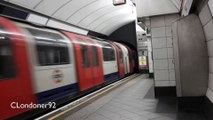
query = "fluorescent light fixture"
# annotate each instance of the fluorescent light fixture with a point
(119, 2)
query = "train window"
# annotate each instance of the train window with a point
(51, 48)
(52, 55)
(47, 55)
(95, 56)
(108, 52)
(7, 69)
(64, 55)
(84, 54)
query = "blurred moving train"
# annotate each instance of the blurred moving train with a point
(39, 64)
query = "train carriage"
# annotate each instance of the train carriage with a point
(125, 57)
(52, 63)
(39, 64)
(15, 76)
(110, 64)
(120, 60)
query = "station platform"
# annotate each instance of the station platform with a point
(133, 100)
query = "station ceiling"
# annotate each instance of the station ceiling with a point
(97, 15)
(157, 7)
(146, 8)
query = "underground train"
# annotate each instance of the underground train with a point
(39, 64)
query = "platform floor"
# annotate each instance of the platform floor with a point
(132, 101)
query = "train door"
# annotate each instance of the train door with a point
(130, 59)
(120, 60)
(126, 65)
(15, 79)
(83, 66)
(87, 64)
(96, 63)
(126, 57)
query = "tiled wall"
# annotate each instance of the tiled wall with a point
(164, 73)
(207, 22)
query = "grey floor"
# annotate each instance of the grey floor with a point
(133, 101)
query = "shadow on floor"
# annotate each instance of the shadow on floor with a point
(168, 106)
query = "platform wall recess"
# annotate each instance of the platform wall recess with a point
(191, 58)
(205, 16)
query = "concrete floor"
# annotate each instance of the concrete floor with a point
(133, 101)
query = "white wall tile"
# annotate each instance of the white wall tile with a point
(169, 42)
(160, 53)
(211, 64)
(170, 53)
(174, 29)
(170, 18)
(147, 22)
(172, 75)
(205, 15)
(162, 83)
(161, 64)
(171, 63)
(208, 28)
(168, 31)
(161, 75)
(210, 47)
(210, 3)
(209, 94)
(157, 21)
(161, 31)
(158, 32)
(159, 42)
(172, 83)
(210, 85)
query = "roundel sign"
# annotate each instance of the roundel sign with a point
(57, 76)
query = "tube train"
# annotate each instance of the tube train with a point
(40, 64)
